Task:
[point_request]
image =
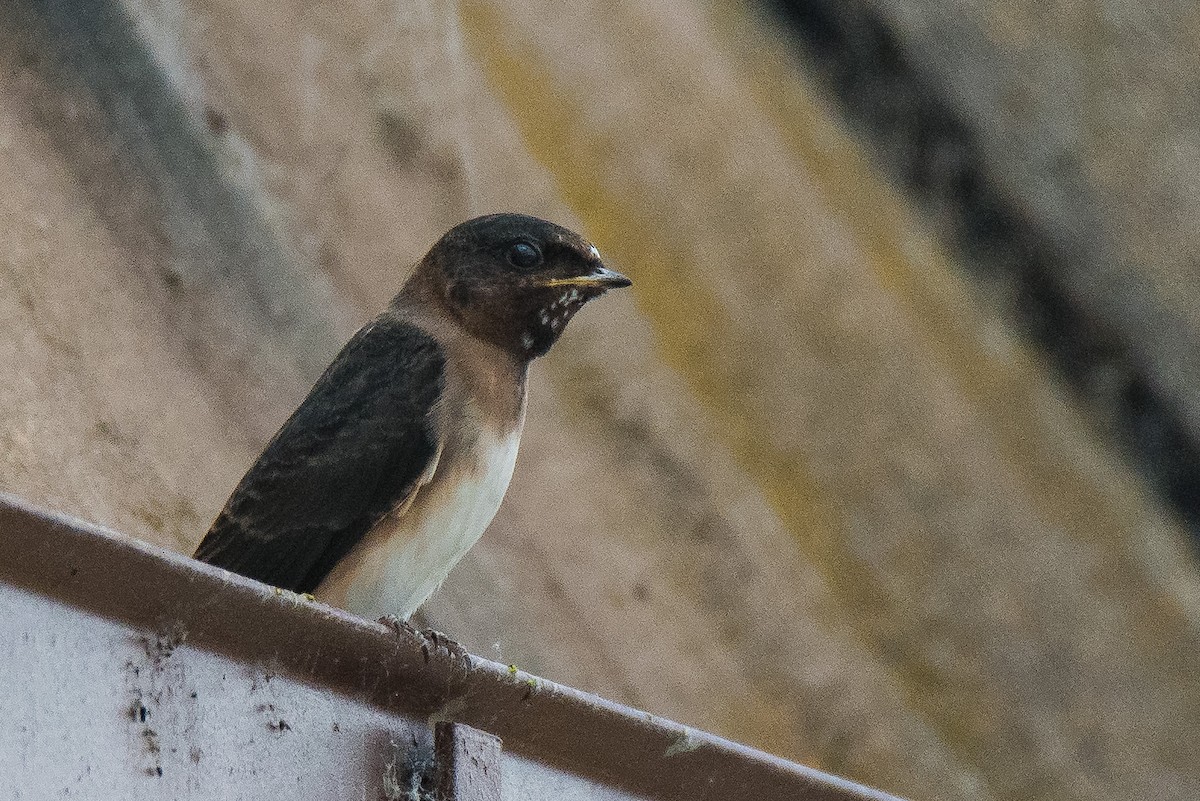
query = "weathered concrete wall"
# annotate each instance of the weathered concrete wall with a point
(801, 488)
(1055, 147)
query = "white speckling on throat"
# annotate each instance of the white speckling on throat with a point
(407, 556)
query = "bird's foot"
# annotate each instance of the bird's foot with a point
(442, 642)
(401, 627)
(431, 640)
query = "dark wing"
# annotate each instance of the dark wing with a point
(354, 450)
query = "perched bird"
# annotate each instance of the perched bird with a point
(397, 460)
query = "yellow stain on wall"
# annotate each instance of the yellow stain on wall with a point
(686, 316)
(684, 312)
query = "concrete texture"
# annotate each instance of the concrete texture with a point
(1050, 146)
(842, 508)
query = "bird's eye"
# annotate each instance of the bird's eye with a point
(524, 255)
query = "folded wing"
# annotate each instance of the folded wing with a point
(355, 450)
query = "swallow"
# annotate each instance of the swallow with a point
(396, 462)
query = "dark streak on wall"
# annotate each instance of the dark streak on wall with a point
(115, 111)
(932, 151)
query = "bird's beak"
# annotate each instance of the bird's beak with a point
(599, 277)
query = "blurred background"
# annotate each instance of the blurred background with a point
(889, 463)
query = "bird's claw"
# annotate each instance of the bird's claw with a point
(401, 627)
(442, 642)
(431, 640)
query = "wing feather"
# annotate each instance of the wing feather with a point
(356, 448)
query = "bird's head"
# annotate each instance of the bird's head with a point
(516, 280)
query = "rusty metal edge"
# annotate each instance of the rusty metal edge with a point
(121, 578)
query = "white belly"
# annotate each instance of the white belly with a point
(407, 556)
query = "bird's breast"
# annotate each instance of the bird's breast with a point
(408, 554)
